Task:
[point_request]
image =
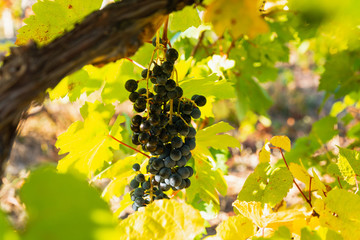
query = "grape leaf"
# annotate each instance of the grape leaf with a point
(266, 185)
(251, 96)
(349, 164)
(324, 129)
(74, 85)
(264, 217)
(300, 173)
(281, 142)
(235, 227)
(120, 174)
(182, 20)
(336, 214)
(264, 154)
(163, 219)
(208, 137)
(205, 184)
(208, 86)
(61, 206)
(245, 20)
(53, 18)
(87, 143)
(280, 182)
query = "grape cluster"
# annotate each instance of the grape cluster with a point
(165, 131)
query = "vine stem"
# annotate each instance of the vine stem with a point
(339, 182)
(174, 193)
(302, 193)
(136, 63)
(310, 189)
(122, 143)
(164, 36)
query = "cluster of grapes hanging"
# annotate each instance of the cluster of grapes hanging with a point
(164, 129)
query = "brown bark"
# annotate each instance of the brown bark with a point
(106, 35)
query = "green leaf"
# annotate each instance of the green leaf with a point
(235, 227)
(306, 234)
(324, 129)
(163, 219)
(341, 74)
(349, 164)
(53, 18)
(88, 143)
(266, 185)
(340, 211)
(6, 231)
(206, 183)
(120, 174)
(208, 86)
(182, 20)
(74, 85)
(209, 137)
(251, 96)
(279, 184)
(61, 206)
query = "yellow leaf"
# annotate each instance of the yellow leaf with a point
(264, 154)
(237, 16)
(281, 142)
(236, 227)
(300, 173)
(163, 219)
(318, 185)
(294, 219)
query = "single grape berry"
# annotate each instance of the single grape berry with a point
(131, 85)
(167, 67)
(135, 139)
(140, 178)
(157, 70)
(170, 85)
(190, 170)
(185, 150)
(179, 91)
(183, 172)
(136, 167)
(200, 100)
(136, 120)
(176, 142)
(139, 201)
(133, 96)
(196, 113)
(146, 185)
(145, 126)
(140, 102)
(182, 162)
(175, 180)
(172, 94)
(139, 192)
(142, 91)
(161, 79)
(165, 172)
(188, 183)
(158, 164)
(192, 132)
(187, 108)
(171, 55)
(134, 184)
(175, 154)
(144, 73)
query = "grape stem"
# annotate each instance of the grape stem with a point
(136, 63)
(128, 146)
(174, 193)
(306, 199)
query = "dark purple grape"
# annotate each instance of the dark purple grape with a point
(171, 55)
(175, 180)
(136, 167)
(175, 154)
(144, 73)
(170, 85)
(167, 67)
(131, 85)
(200, 100)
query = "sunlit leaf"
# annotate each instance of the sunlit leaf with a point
(163, 219)
(281, 142)
(349, 164)
(245, 20)
(266, 185)
(182, 20)
(53, 18)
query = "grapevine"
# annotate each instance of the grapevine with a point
(164, 129)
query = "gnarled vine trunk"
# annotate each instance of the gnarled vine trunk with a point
(106, 35)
